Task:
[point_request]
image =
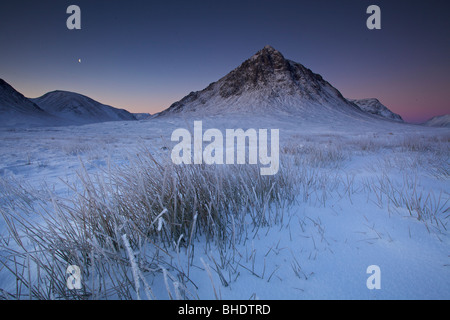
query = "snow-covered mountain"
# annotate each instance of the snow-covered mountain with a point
(439, 121)
(79, 109)
(267, 83)
(55, 108)
(374, 106)
(17, 110)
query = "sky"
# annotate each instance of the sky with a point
(144, 55)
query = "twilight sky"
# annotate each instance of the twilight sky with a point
(143, 55)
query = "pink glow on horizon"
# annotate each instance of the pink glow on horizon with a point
(414, 103)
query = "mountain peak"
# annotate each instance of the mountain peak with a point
(266, 81)
(269, 50)
(269, 57)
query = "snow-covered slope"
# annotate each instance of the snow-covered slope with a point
(16, 110)
(79, 109)
(439, 121)
(268, 84)
(374, 106)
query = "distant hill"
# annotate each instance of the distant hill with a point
(142, 116)
(56, 108)
(374, 106)
(79, 109)
(439, 121)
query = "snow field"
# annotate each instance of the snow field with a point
(341, 202)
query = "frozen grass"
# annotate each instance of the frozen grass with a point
(329, 153)
(126, 227)
(420, 202)
(150, 207)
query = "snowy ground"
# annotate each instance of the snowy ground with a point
(377, 179)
